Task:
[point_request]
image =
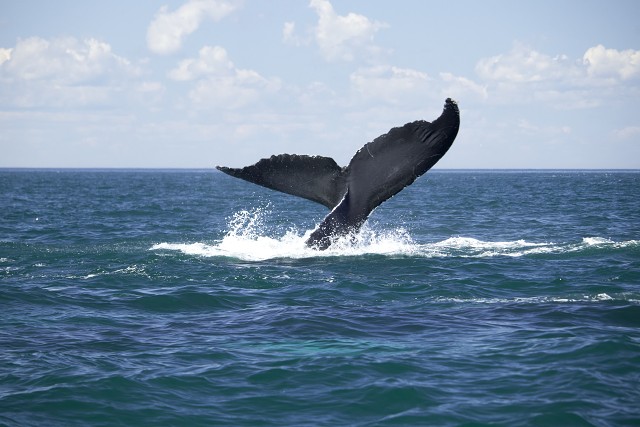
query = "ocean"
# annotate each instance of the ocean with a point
(188, 298)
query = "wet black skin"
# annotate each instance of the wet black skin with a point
(378, 171)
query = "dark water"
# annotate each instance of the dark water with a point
(188, 298)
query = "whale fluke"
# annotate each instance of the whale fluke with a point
(315, 178)
(378, 171)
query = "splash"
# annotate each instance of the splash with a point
(251, 236)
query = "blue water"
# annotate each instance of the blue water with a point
(188, 298)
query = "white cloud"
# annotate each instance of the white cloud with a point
(612, 63)
(63, 72)
(169, 29)
(389, 84)
(5, 55)
(63, 60)
(525, 75)
(219, 83)
(212, 60)
(461, 87)
(525, 65)
(289, 36)
(628, 132)
(339, 37)
(232, 92)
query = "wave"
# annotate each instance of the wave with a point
(246, 241)
(624, 297)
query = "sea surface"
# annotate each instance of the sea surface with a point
(188, 298)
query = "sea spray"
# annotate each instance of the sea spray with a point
(251, 236)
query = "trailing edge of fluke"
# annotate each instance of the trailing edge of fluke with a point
(378, 171)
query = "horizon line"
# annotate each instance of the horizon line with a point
(144, 168)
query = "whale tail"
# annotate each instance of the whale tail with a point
(315, 178)
(378, 171)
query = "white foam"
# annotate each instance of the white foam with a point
(541, 299)
(595, 241)
(604, 242)
(470, 247)
(130, 270)
(469, 242)
(249, 239)
(291, 245)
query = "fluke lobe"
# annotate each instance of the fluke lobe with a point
(376, 172)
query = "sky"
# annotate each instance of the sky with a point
(193, 84)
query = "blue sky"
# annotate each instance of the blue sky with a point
(193, 84)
